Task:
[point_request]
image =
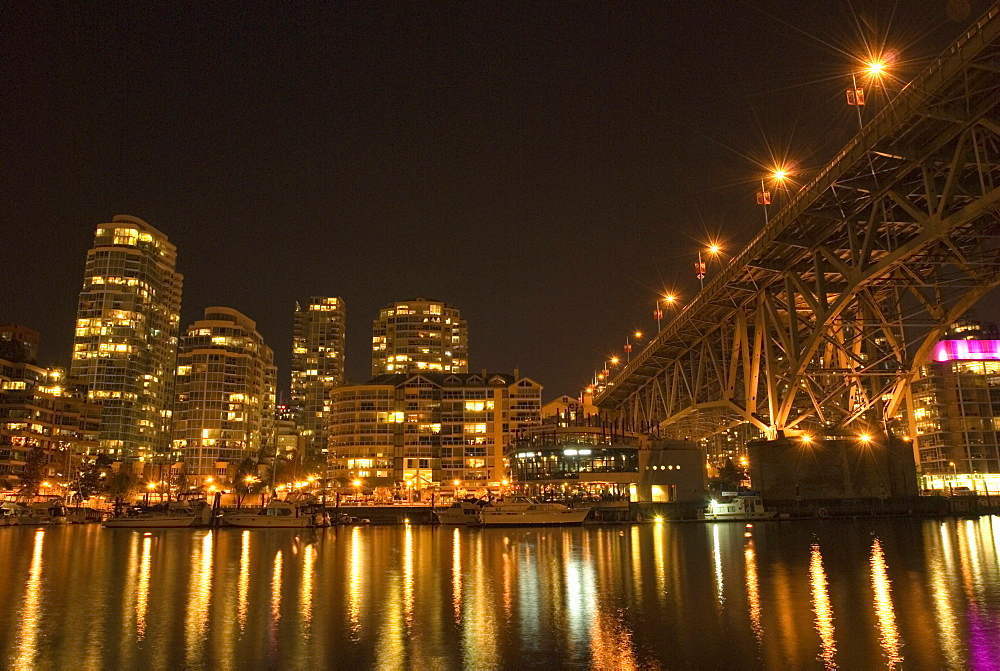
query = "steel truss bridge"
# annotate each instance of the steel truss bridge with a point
(825, 317)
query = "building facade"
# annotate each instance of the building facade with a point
(956, 416)
(126, 335)
(289, 444)
(317, 367)
(419, 335)
(584, 459)
(225, 407)
(43, 411)
(429, 430)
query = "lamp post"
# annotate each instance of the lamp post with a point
(667, 299)
(874, 69)
(628, 346)
(700, 267)
(778, 176)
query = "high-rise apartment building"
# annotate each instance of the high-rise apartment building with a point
(225, 408)
(317, 367)
(429, 429)
(419, 335)
(126, 335)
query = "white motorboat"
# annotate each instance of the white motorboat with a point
(522, 511)
(742, 506)
(280, 515)
(43, 512)
(8, 514)
(179, 514)
(460, 512)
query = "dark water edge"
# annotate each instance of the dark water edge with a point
(904, 593)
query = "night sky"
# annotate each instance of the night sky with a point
(548, 167)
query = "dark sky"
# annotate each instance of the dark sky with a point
(547, 167)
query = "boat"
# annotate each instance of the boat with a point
(277, 514)
(522, 511)
(8, 514)
(43, 512)
(460, 512)
(178, 514)
(739, 506)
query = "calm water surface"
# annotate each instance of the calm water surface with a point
(850, 594)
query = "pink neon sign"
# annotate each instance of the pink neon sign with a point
(966, 350)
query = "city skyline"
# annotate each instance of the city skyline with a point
(576, 169)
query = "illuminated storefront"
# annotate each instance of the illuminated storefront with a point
(591, 463)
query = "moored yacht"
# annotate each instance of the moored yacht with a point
(8, 514)
(178, 514)
(741, 506)
(460, 512)
(43, 512)
(280, 514)
(522, 511)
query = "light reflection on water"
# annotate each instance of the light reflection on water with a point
(30, 617)
(882, 586)
(822, 608)
(915, 593)
(142, 591)
(753, 589)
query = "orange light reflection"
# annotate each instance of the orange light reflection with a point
(822, 608)
(888, 632)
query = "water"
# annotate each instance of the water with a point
(851, 594)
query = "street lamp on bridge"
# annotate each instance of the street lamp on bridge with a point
(628, 345)
(874, 70)
(667, 299)
(714, 250)
(777, 176)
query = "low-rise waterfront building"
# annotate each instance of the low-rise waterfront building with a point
(45, 412)
(571, 459)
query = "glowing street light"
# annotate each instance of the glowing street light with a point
(667, 299)
(873, 69)
(778, 175)
(628, 345)
(700, 267)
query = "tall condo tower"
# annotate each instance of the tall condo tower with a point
(317, 367)
(224, 411)
(419, 335)
(126, 335)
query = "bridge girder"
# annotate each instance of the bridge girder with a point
(825, 318)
